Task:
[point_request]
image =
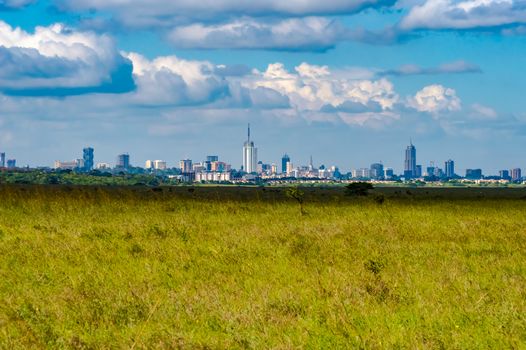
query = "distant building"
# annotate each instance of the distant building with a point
(11, 163)
(389, 173)
(516, 174)
(87, 156)
(274, 169)
(159, 165)
(289, 168)
(103, 166)
(418, 171)
(70, 165)
(284, 160)
(410, 162)
(212, 159)
(363, 173)
(123, 161)
(250, 155)
(148, 164)
(2, 160)
(377, 171)
(212, 176)
(450, 169)
(473, 174)
(186, 166)
(504, 174)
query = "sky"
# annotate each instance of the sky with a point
(349, 82)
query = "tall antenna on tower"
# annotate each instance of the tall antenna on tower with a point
(248, 132)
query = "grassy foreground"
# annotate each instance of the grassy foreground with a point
(92, 268)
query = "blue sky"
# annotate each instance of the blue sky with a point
(348, 81)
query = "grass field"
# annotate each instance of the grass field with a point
(139, 268)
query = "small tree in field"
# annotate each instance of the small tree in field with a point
(298, 195)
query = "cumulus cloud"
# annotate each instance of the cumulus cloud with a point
(310, 34)
(435, 99)
(466, 14)
(457, 67)
(312, 87)
(55, 60)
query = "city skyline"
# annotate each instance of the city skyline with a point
(345, 82)
(252, 165)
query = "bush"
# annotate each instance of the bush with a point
(359, 189)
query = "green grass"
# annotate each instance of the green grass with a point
(93, 268)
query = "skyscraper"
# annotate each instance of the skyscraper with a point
(2, 160)
(250, 155)
(284, 160)
(410, 162)
(377, 171)
(123, 161)
(450, 169)
(516, 174)
(186, 166)
(87, 155)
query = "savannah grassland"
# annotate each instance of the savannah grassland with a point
(126, 268)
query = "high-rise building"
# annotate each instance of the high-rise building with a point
(87, 155)
(284, 160)
(250, 155)
(159, 165)
(212, 159)
(389, 173)
(186, 166)
(516, 174)
(410, 162)
(148, 164)
(418, 171)
(473, 174)
(377, 171)
(450, 169)
(504, 174)
(11, 163)
(123, 161)
(2, 160)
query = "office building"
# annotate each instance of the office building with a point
(159, 165)
(212, 159)
(11, 163)
(410, 162)
(87, 156)
(2, 160)
(504, 174)
(273, 169)
(450, 169)
(69, 165)
(389, 173)
(284, 160)
(123, 162)
(418, 172)
(377, 171)
(289, 168)
(363, 173)
(473, 174)
(186, 166)
(250, 155)
(103, 166)
(148, 165)
(516, 174)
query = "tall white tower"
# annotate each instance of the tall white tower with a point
(250, 155)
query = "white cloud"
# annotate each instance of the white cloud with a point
(137, 13)
(57, 57)
(312, 87)
(467, 14)
(310, 33)
(435, 99)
